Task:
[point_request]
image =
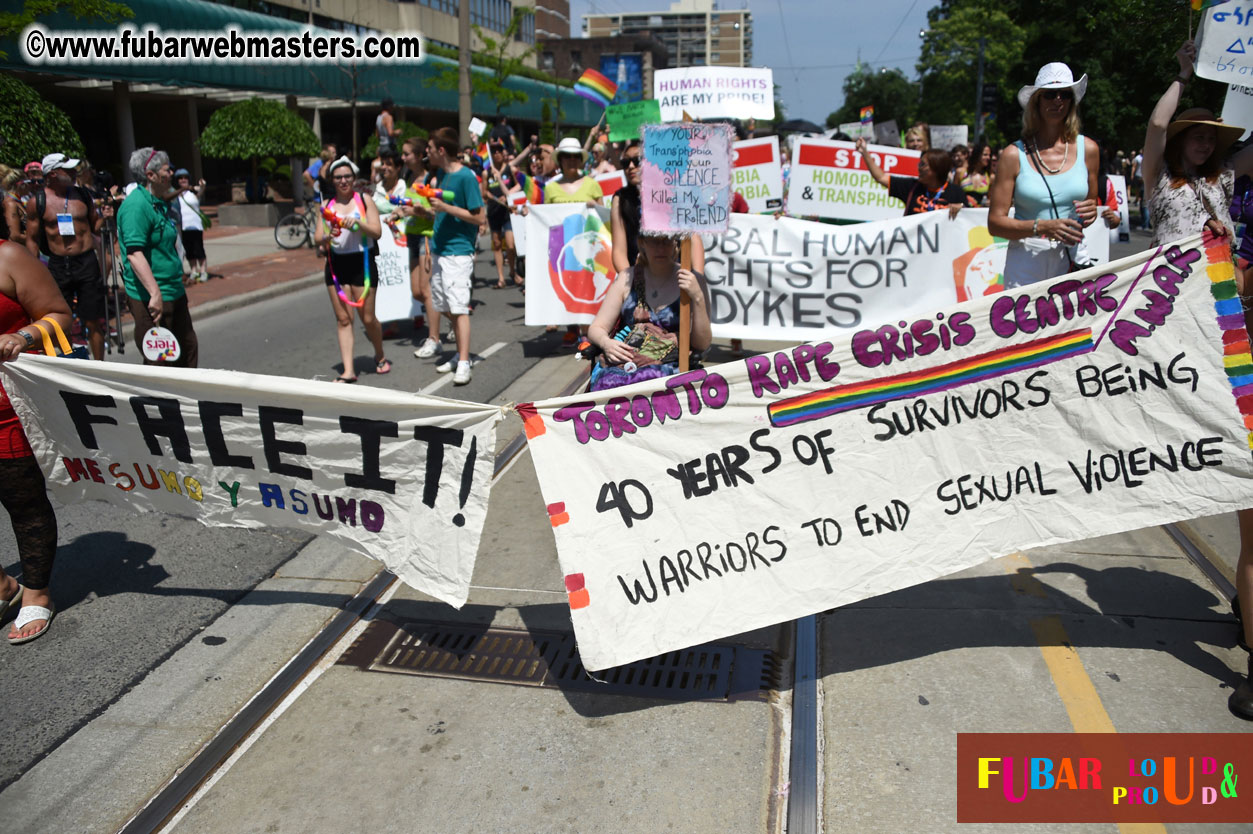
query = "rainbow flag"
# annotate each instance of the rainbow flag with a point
(1008, 360)
(867, 115)
(595, 87)
(534, 194)
(1198, 5)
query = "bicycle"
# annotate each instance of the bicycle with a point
(294, 230)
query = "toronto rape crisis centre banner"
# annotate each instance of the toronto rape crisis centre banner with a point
(729, 498)
(397, 477)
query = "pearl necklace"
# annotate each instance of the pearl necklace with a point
(1040, 158)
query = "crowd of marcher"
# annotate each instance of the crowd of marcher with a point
(1041, 192)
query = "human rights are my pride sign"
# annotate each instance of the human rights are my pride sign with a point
(729, 498)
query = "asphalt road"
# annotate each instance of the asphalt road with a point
(132, 588)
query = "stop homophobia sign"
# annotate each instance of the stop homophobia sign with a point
(725, 499)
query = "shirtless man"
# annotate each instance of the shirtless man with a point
(68, 224)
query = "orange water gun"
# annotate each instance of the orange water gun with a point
(432, 193)
(336, 222)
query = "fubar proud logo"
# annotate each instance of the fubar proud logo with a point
(1103, 777)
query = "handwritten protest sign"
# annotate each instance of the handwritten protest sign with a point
(714, 92)
(569, 256)
(758, 173)
(856, 130)
(887, 133)
(685, 178)
(397, 477)
(478, 127)
(394, 300)
(1225, 42)
(1238, 106)
(947, 137)
(1123, 232)
(830, 180)
(625, 119)
(706, 504)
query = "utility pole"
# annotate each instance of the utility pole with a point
(983, 42)
(464, 113)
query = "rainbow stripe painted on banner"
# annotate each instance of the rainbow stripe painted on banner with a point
(1237, 360)
(595, 87)
(989, 365)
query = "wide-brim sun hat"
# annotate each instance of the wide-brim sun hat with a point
(1054, 76)
(1228, 135)
(570, 146)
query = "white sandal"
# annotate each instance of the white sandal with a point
(29, 614)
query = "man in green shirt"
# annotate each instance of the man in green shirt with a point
(457, 225)
(152, 269)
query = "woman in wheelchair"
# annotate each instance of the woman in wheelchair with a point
(637, 327)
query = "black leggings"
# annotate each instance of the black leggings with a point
(25, 496)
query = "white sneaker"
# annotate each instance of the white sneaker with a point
(462, 376)
(429, 348)
(446, 367)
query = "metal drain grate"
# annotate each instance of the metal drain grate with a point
(550, 659)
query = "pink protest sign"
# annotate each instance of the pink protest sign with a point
(685, 182)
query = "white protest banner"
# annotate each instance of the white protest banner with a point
(610, 183)
(1238, 106)
(517, 225)
(478, 127)
(1096, 240)
(795, 280)
(397, 477)
(1225, 42)
(685, 178)
(758, 173)
(1123, 231)
(887, 133)
(947, 137)
(569, 263)
(829, 180)
(707, 504)
(394, 300)
(714, 92)
(856, 130)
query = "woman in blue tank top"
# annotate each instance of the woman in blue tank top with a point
(1049, 177)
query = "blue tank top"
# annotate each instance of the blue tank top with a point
(1031, 194)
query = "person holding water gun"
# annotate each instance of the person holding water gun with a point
(347, 231)
(417, 209)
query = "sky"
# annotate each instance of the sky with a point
(810, 44)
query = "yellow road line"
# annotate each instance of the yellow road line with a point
(1074, 686)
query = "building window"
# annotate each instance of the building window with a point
(547, 61)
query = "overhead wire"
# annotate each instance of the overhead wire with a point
(900, 21)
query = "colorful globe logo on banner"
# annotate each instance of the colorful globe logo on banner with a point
(981, 270)
(580, 262)
(160, 345)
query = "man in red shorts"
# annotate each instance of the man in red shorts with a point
(63, 218)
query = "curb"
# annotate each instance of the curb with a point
(218, 306)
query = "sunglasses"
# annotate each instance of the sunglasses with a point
(631, 162)
(1049, 95)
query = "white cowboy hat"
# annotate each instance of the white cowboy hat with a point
(571, 146)
(1054, 76)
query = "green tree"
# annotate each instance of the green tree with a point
(547, 130)
(496, 57)
(1022, 36)
(31, 127)
(12, 23)
(255, 129)
(892, 94)
(948, 64)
